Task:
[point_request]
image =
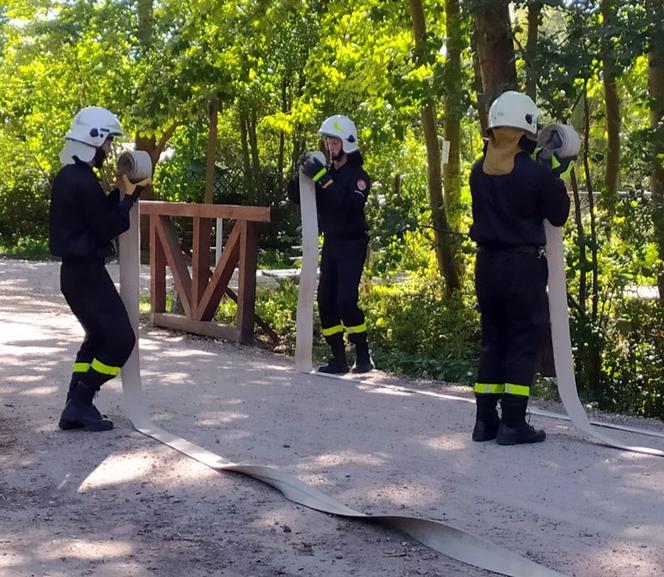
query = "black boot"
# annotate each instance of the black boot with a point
(486, 421)
(514, 430)
(336, 364)
(81, 413)
(72, 386)
(363, 362)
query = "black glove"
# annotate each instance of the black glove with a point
(562, 167)
(312, 167)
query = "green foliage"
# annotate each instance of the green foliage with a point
(618, 350)
(278, 308)
(633, 360)
(416, 331)
(277, 69)
(27, 248)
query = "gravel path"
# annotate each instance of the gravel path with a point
(118, 503)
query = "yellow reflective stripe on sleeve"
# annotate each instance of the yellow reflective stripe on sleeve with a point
(104, 369)
(489, 388)
(518, 390)
(80, 368)
(332, 330)
(357, 329)
(319, 174)
(555, 163)
(537, 150)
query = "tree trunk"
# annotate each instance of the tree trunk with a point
(495, 47)
(443, 245)
(453, 111)
(253, 142)
(244, 141)
(213, 118)
(282, 136)
(612, 103)
(145, 23)
(532, 68)
(482, 107)
(253, 161)
(656, 91)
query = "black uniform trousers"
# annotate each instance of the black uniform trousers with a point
(511, 292)
(341, 266)
(109, 336)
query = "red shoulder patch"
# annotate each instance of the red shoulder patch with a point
(361, 184)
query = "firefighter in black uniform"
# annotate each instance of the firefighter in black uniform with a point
(512, 194)
(341, 193)
(83, 221)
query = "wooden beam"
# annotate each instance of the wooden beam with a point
(200, 263)
(205, 328)
(157, 270)
(221, 276)
(246, 282)
(175, 260)
(226, 211)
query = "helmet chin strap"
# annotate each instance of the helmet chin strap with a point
(99, 158)
(338, 157)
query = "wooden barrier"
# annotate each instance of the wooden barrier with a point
(200, 292)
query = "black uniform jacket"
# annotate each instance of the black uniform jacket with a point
(341, 203)
(82, 219)
(509, 210)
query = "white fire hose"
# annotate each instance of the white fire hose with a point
(448, 540)
(439, 536)
(564, 141)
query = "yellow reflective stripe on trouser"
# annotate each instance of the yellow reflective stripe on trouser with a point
(357, 329)
(100, 367)
(517, 390)
(489, 388)
(80, 368)
(332, 330)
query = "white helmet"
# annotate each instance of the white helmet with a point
(342, 127)
(89, 130)
(514, 109)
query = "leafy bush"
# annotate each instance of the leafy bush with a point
(633, 360)
(27, 248)
(415, 331)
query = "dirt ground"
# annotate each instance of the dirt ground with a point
(119, 503)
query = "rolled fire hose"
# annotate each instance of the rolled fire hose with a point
(443, 538)
(559, 138)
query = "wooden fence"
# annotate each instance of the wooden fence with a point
(201, 291)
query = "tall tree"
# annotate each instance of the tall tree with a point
(443, 243)
(453, 107)
(534, 20)
(495, 45)
(655, 10)
(611, 101)
(211, 158)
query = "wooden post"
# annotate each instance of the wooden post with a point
(247, 282)
(157, 270)
(200, 264)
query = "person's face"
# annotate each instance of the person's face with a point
(108, 144)
(102, 152)
(334, 147)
